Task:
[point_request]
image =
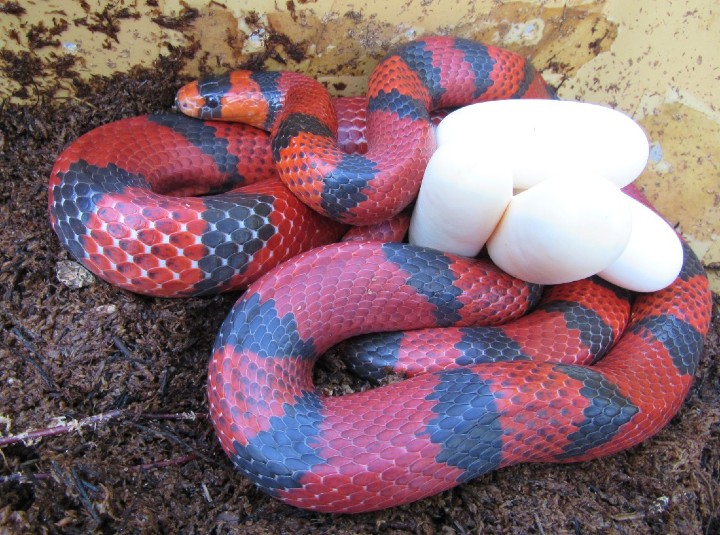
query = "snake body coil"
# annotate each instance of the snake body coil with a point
(114, 204)
(412, 439)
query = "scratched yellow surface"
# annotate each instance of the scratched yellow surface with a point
(657, 61)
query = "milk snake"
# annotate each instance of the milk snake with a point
(114, 205)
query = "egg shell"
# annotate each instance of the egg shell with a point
(653, 256)
(561, 230)
(551, 138)
(461, 200)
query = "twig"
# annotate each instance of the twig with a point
(163, 464)
(84, 498)
(24, 478)
(539, 524)
(34, 358)
(73, 482)
(174, 438)
(126, 352)
(72, 425)
(85, 102)
(174, 416)
(123, 348)
(206, 492)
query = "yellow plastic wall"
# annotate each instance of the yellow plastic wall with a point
(657, 61)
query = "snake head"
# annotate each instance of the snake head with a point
(203, 99)
(235, 96)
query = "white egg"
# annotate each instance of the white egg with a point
(561, 230)
(461, 200)
(653, 256)
(550, 138)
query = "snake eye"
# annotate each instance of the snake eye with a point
(212, 101)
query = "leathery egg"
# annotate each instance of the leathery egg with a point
(547, 138)
(461, 200)
(561, 230)
(653, 256)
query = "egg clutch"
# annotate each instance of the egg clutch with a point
(538, 182)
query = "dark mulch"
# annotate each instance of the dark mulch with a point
(69, 354)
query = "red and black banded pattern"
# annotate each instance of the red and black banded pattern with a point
(417, 437)
(574, 323)
(114, 205)
(412, 81)
(122, 201)
(121, 197)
